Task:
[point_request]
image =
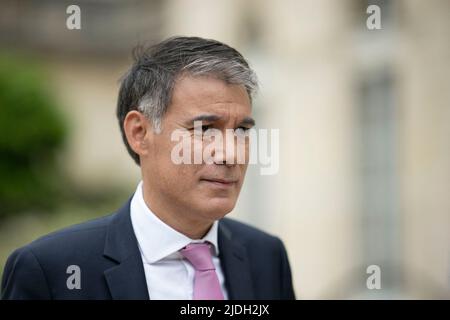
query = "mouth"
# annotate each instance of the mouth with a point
(221, 183)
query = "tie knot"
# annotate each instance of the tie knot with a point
(199, 255)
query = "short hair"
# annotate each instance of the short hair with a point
(148, 85)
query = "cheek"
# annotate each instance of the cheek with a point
(242, 151)
(243, 168)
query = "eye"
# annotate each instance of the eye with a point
(206, 127)
(203, 127)
(242, 129)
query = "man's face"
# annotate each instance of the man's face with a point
(201, 192)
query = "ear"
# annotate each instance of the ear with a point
(138, 132)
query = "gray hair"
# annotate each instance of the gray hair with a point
(148, 84)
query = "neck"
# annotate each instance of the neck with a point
(185, 224)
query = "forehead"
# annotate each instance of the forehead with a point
(192, 95)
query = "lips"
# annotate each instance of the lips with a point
(220, 182)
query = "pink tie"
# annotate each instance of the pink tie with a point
(206, 283)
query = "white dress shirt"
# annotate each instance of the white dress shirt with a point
(169, 276)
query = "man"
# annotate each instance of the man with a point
(170, 240)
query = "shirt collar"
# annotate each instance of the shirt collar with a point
(156, 239)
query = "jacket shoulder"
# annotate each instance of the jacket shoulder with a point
(82, 232)
(268, 260)
(32, 270)
(78, 241)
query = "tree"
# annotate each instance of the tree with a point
(32, 131)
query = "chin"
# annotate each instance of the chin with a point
(218, 208)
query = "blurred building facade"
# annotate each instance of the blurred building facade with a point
(364, 119)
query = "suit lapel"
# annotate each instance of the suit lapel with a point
(234, 261)
(126, 280)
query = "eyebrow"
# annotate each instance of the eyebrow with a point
(214, 117)
(205, 117)
(248, 121)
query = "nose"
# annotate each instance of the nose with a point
(230, 152)
(224, 157)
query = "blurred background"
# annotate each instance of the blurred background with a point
(364, 119)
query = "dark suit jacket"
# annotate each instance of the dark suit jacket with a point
(254, 263)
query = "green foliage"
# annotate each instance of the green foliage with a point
(31, 133)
